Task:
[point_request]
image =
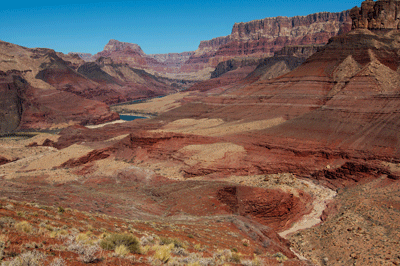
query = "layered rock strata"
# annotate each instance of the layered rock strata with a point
(379, 15)
(254, 39)
(267, 36)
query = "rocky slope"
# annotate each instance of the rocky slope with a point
(29, 102)
(25, 107)
(52, 78)
(333, 119)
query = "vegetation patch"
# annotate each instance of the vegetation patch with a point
(112, 241)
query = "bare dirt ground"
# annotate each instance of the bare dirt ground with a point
(217, 127)
(152, 196)
(360, 230)
(48, 195)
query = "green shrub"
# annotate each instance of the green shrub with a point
(114, 240)
(280, 257)
(60, 209)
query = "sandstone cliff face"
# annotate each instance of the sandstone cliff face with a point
(265, 37)
(376, 15)
(293, 27)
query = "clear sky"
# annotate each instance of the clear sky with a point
(158, 26)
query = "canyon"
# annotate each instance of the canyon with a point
(274, 145)
(252, 40)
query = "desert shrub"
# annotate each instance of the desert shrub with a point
(58, 233)
(9, 207)
(60, 209)
(254, 262)
(235, 258)
(180, 252)
(29, 258)
(121, 251)
(114, 240)
(198, 247)
(194, 259)
(176, 242)
(58, 262)
(222, 255)
(87, 238)
(21, 213)
(147, 240)
(48, 227)
(163, 253)
(88, 254)
(280, 257)
(32, 245)
(3, 242)
(6, 221)
(24, 227)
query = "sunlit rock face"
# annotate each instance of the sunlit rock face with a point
(376, 15)
(264, 37)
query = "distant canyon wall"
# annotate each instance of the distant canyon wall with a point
(262, 38)
(258, 38)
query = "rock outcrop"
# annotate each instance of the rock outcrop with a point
(233, 64)
(379, 15)
(12, 91)
(124, 53)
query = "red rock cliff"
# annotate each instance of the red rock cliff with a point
(376, 15)
(264, 37)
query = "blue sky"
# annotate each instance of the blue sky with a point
(158, 26)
